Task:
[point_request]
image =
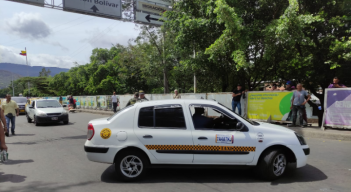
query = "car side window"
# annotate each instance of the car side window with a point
(208, 117)
(162, 117)
(33, 104)
(146, 117)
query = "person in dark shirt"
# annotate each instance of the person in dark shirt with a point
(237, 93)
(199, 120)
(336, 84)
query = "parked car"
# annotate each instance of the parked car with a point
(191, 132)
(46, 111)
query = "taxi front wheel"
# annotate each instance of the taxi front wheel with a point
(131, 165)
(272, 165)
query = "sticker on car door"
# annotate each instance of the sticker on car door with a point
(229, 139)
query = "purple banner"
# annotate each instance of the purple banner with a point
(338, 108)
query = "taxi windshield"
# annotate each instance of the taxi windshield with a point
(48, 104)
(19, 99)
(246, 119)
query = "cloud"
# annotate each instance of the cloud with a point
(106, 38)
(11, 55)
(27, 25)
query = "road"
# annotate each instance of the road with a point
(52, 158)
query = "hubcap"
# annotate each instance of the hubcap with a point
(131, 166)
(279, 165)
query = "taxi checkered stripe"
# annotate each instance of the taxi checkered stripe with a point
(200, 148)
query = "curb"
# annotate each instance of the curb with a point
(343, 135)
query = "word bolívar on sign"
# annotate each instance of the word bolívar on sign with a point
(103, 8)
(151, 8)
(148, 18)
(32, 2)
(163, 2)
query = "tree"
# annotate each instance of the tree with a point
(44, 72)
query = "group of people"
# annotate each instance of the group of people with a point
(298, 101)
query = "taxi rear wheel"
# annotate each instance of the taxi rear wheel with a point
(272, 165)
(131, 165)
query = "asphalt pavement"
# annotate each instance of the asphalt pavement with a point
(52, 158)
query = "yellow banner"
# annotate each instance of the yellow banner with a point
(263, 104)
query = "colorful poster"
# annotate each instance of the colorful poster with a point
(264, 104)
(338, 108)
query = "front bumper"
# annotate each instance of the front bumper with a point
(301, 154)
(50, 119)
(101, 154)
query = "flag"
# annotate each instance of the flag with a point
(24, 53)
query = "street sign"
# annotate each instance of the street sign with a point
(32, 2)
(163, 2)
(104, 8)
(151, 8)
(148, 19)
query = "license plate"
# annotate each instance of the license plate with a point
(21, 110)
(54, 118)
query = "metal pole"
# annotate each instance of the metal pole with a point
(27, 71)
(194, 75)
(13, 89)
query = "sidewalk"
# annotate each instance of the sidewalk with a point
(307, 132)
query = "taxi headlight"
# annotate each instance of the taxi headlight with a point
(41, 114)
(301, 139)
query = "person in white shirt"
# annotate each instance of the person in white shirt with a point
(114, 101)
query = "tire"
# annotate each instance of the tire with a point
(29, 120)
(65, 122)
(272, 165)
(136, 161)
(36, 121)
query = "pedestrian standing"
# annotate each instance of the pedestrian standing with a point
(133, 100)
(298, 103)
(176, 95)
(3, 131)
(60, 100)
(142, 96)
(71, 101)
(10, 110)
(114, 100)
(237, 93)
(336, 84)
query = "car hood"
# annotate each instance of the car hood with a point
(21, 103)
(51, 110)
(272, 127)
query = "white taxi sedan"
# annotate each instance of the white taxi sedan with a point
(191, 132)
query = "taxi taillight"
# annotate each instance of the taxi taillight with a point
(91, 131)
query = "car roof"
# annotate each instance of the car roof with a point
(175, 101)
(46, 100)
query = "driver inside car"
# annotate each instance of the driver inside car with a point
(200, 121)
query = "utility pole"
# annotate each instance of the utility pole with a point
(27, 71)
(194, 74)
(13, 89)
(165, 80)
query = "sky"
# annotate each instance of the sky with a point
(55, 38)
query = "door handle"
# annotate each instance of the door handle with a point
(147, 136)
(202, 138)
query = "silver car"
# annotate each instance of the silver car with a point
(46, 111)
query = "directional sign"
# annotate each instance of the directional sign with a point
(148, 19)
(163, 2)
(105, 8)
(151, 8)
(33, 2)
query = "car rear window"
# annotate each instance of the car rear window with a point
(162, 117)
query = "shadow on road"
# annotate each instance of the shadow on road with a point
(40, 186)
(15, 162)
(76, 137)
(24, 135)
(22, 143)
(11, 178)
(305, 174)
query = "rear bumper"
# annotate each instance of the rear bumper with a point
(49, 119)
(101, 154)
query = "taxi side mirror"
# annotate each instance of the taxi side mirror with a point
(241, 127)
